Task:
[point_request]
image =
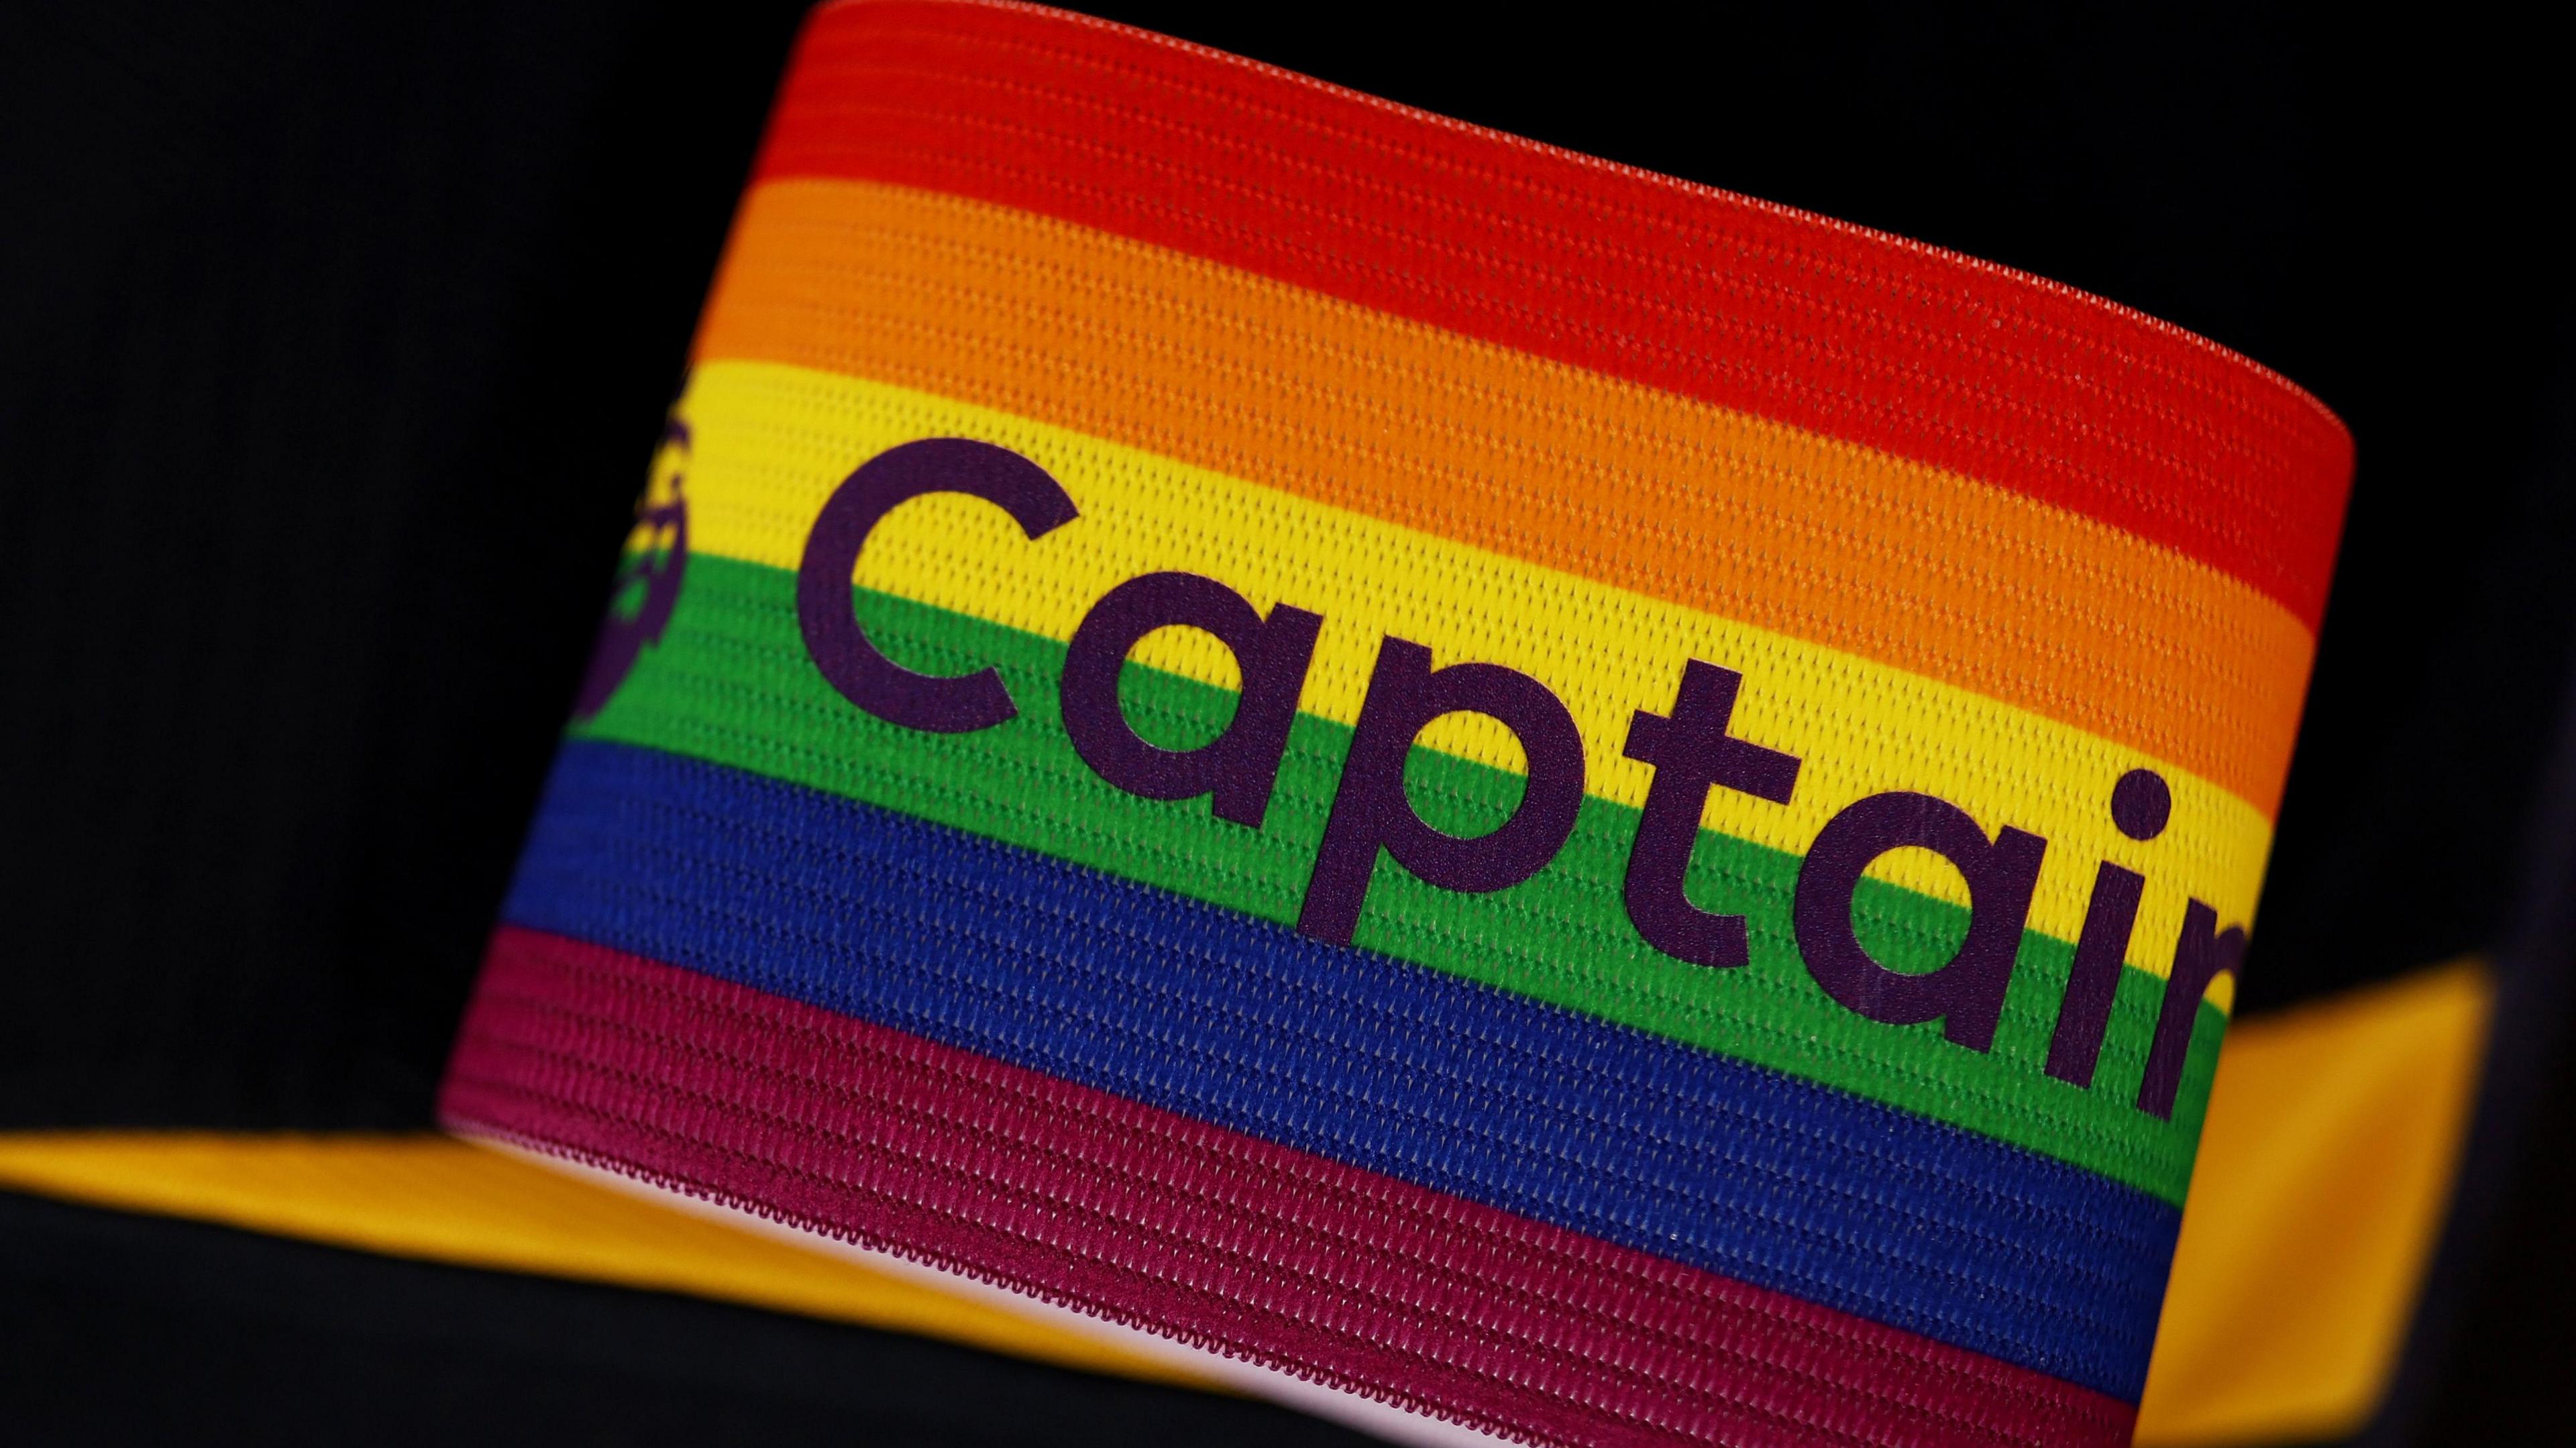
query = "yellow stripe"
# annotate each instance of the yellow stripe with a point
(436, 1199)
(2325, 1170)
(773, 441)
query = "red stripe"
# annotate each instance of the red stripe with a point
(1854, 334)
(1147, 1218)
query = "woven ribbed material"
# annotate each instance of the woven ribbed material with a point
(1351, 1055)
(1564, 801)
(1252, 1249)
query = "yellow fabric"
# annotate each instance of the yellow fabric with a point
(2325, 1172)
(448, 1201)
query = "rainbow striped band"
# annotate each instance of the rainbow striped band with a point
(1584, 807)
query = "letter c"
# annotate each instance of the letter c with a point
(840, 648)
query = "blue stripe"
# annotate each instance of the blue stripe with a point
(1354, 1056)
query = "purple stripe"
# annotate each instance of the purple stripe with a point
(1224, 1241)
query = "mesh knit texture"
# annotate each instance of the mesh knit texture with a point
(1859, 1110)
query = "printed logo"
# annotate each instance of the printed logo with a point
(648, 576)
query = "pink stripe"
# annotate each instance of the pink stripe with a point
(1217, 1239)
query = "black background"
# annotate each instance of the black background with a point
(333, 341)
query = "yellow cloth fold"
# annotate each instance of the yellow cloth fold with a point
(2324, 1174)
(443, 1200)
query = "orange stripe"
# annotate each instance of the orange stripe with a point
(1647, 491)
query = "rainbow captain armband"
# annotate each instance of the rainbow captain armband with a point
(1508, 796)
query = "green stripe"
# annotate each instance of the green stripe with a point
(730, 683)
